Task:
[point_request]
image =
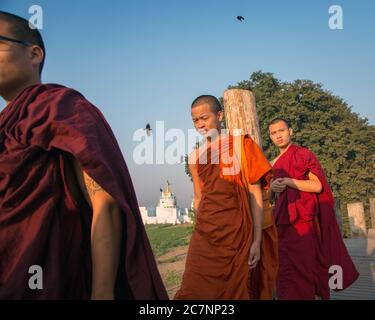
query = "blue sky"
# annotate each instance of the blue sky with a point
(146, 60)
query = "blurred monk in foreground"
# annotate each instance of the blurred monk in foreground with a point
(67, 204)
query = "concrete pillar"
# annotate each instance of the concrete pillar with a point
(372, 212)
(357, 221)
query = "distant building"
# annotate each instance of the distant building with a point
(166, 211)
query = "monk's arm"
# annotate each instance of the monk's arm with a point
(256, 203)
(313, 184)
(256, 206)
(196, 185)
(106, 231)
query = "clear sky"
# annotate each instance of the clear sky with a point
(146, 60)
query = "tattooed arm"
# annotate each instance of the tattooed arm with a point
(105, 236)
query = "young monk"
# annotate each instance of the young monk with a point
(227, 239)
(309, 238)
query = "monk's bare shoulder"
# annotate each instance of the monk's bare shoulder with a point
(91, 185)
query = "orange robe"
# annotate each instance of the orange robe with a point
(263, 279)
(217, 261)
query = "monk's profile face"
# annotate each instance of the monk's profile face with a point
(205, 120)
(280, 134)
(17, 63)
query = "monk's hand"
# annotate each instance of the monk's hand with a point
(278, 185)
(287, 182)
(254, 256)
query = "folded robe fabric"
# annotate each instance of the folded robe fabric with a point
(217, 261)
(40, 221)
(313, 216)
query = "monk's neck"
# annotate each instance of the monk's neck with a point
(11, 94)
(285, 149)
(211, 139)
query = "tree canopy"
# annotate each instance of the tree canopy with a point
(343, 141)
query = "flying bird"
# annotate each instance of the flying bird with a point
(240, 18)
(148, 129)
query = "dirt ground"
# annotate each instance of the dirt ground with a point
(171, 267)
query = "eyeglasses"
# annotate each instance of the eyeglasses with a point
(25, 43)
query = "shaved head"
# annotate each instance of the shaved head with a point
(19, 29)
(212, 101)
(277, 120)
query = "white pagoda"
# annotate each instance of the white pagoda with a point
(167, 211)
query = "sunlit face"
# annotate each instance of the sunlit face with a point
(205, 121)
(280, 134)
(17, 64)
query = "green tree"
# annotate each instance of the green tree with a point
(343, 142)
(323, 122)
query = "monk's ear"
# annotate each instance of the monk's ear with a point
(291, 131)
(36, 54)
(220, 115)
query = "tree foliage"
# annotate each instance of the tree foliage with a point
(343, 141)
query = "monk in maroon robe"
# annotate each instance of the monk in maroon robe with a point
(68, 209)
(309, 237)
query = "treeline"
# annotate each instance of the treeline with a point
(343, 141)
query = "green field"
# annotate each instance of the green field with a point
(165, 237)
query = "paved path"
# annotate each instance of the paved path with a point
(362, 252)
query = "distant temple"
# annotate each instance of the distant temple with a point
(167, 199)
(166, 211)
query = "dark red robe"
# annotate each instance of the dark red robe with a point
(40, 221)
(309, 237)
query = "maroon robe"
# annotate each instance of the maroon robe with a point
(40, 221)
(309, 237)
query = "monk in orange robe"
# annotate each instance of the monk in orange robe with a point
(226, 245)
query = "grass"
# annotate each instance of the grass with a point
(173, 279)
(165, 237)
(169, 260)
